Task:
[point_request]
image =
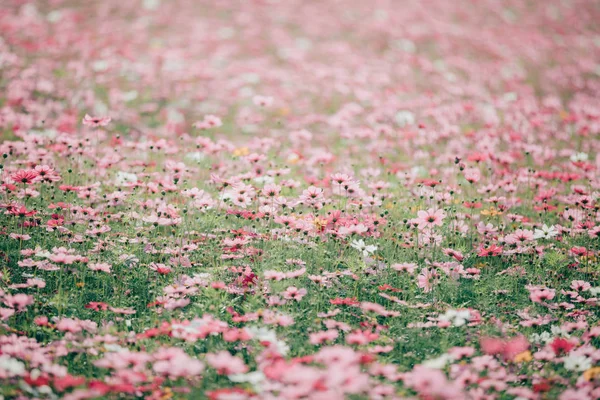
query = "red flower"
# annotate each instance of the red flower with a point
(56, 220)
(67, 381)
(164, 329)
(367, 358)
(493, 250)
(579, 251)
(41, 380)
(349, 301)
(96, 306)
(20, 211)
(541, 387)
(222, 393)
(68, 188)
(388, 287)
(249, 280)
(429, 182)
(561, 346)
(26, 176)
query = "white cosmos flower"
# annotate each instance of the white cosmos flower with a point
(543, 337)
(251, 377)
(11, 366)
(195, 156)
(595, 291)
(579, 157)
(456, 317)
(266, 335)
(574, 362)
(360, 245)
(255, 378)
(404, 118)
(547, 232)
(113, 348)
(124, 178)
(558, 331)
(43, 254)
(439, 362)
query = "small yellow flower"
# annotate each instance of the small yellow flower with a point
(80, 284)
(591, 373)
(491, 212)
(591, 258)
(241, 151)
(293, 158)
(319, 223)
(167, 395)
(523, 357)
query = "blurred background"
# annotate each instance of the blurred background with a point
(156, 66)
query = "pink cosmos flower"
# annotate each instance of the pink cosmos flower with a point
(19, 301)
(46, 174)
(6, 313)
(426, 279)
(225, 363)
(507, 348)
(430, 218)
(490, 251)
(25, 176)
(18, 236)
(581, 286)
(457, 255)
(271, 190)
(262, 101)
(432, 383)
(520, 236)
(359, 337)
(160, 268)
(472, 175)
(293, 293)
(104, 267)
(539, 295)
(174, 363)
(95, 122)
(323, 336)
(313, 196)
(68, 325)
(241, 200)
(209, 121)
(408, 267)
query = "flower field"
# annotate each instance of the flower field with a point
(300, 199)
